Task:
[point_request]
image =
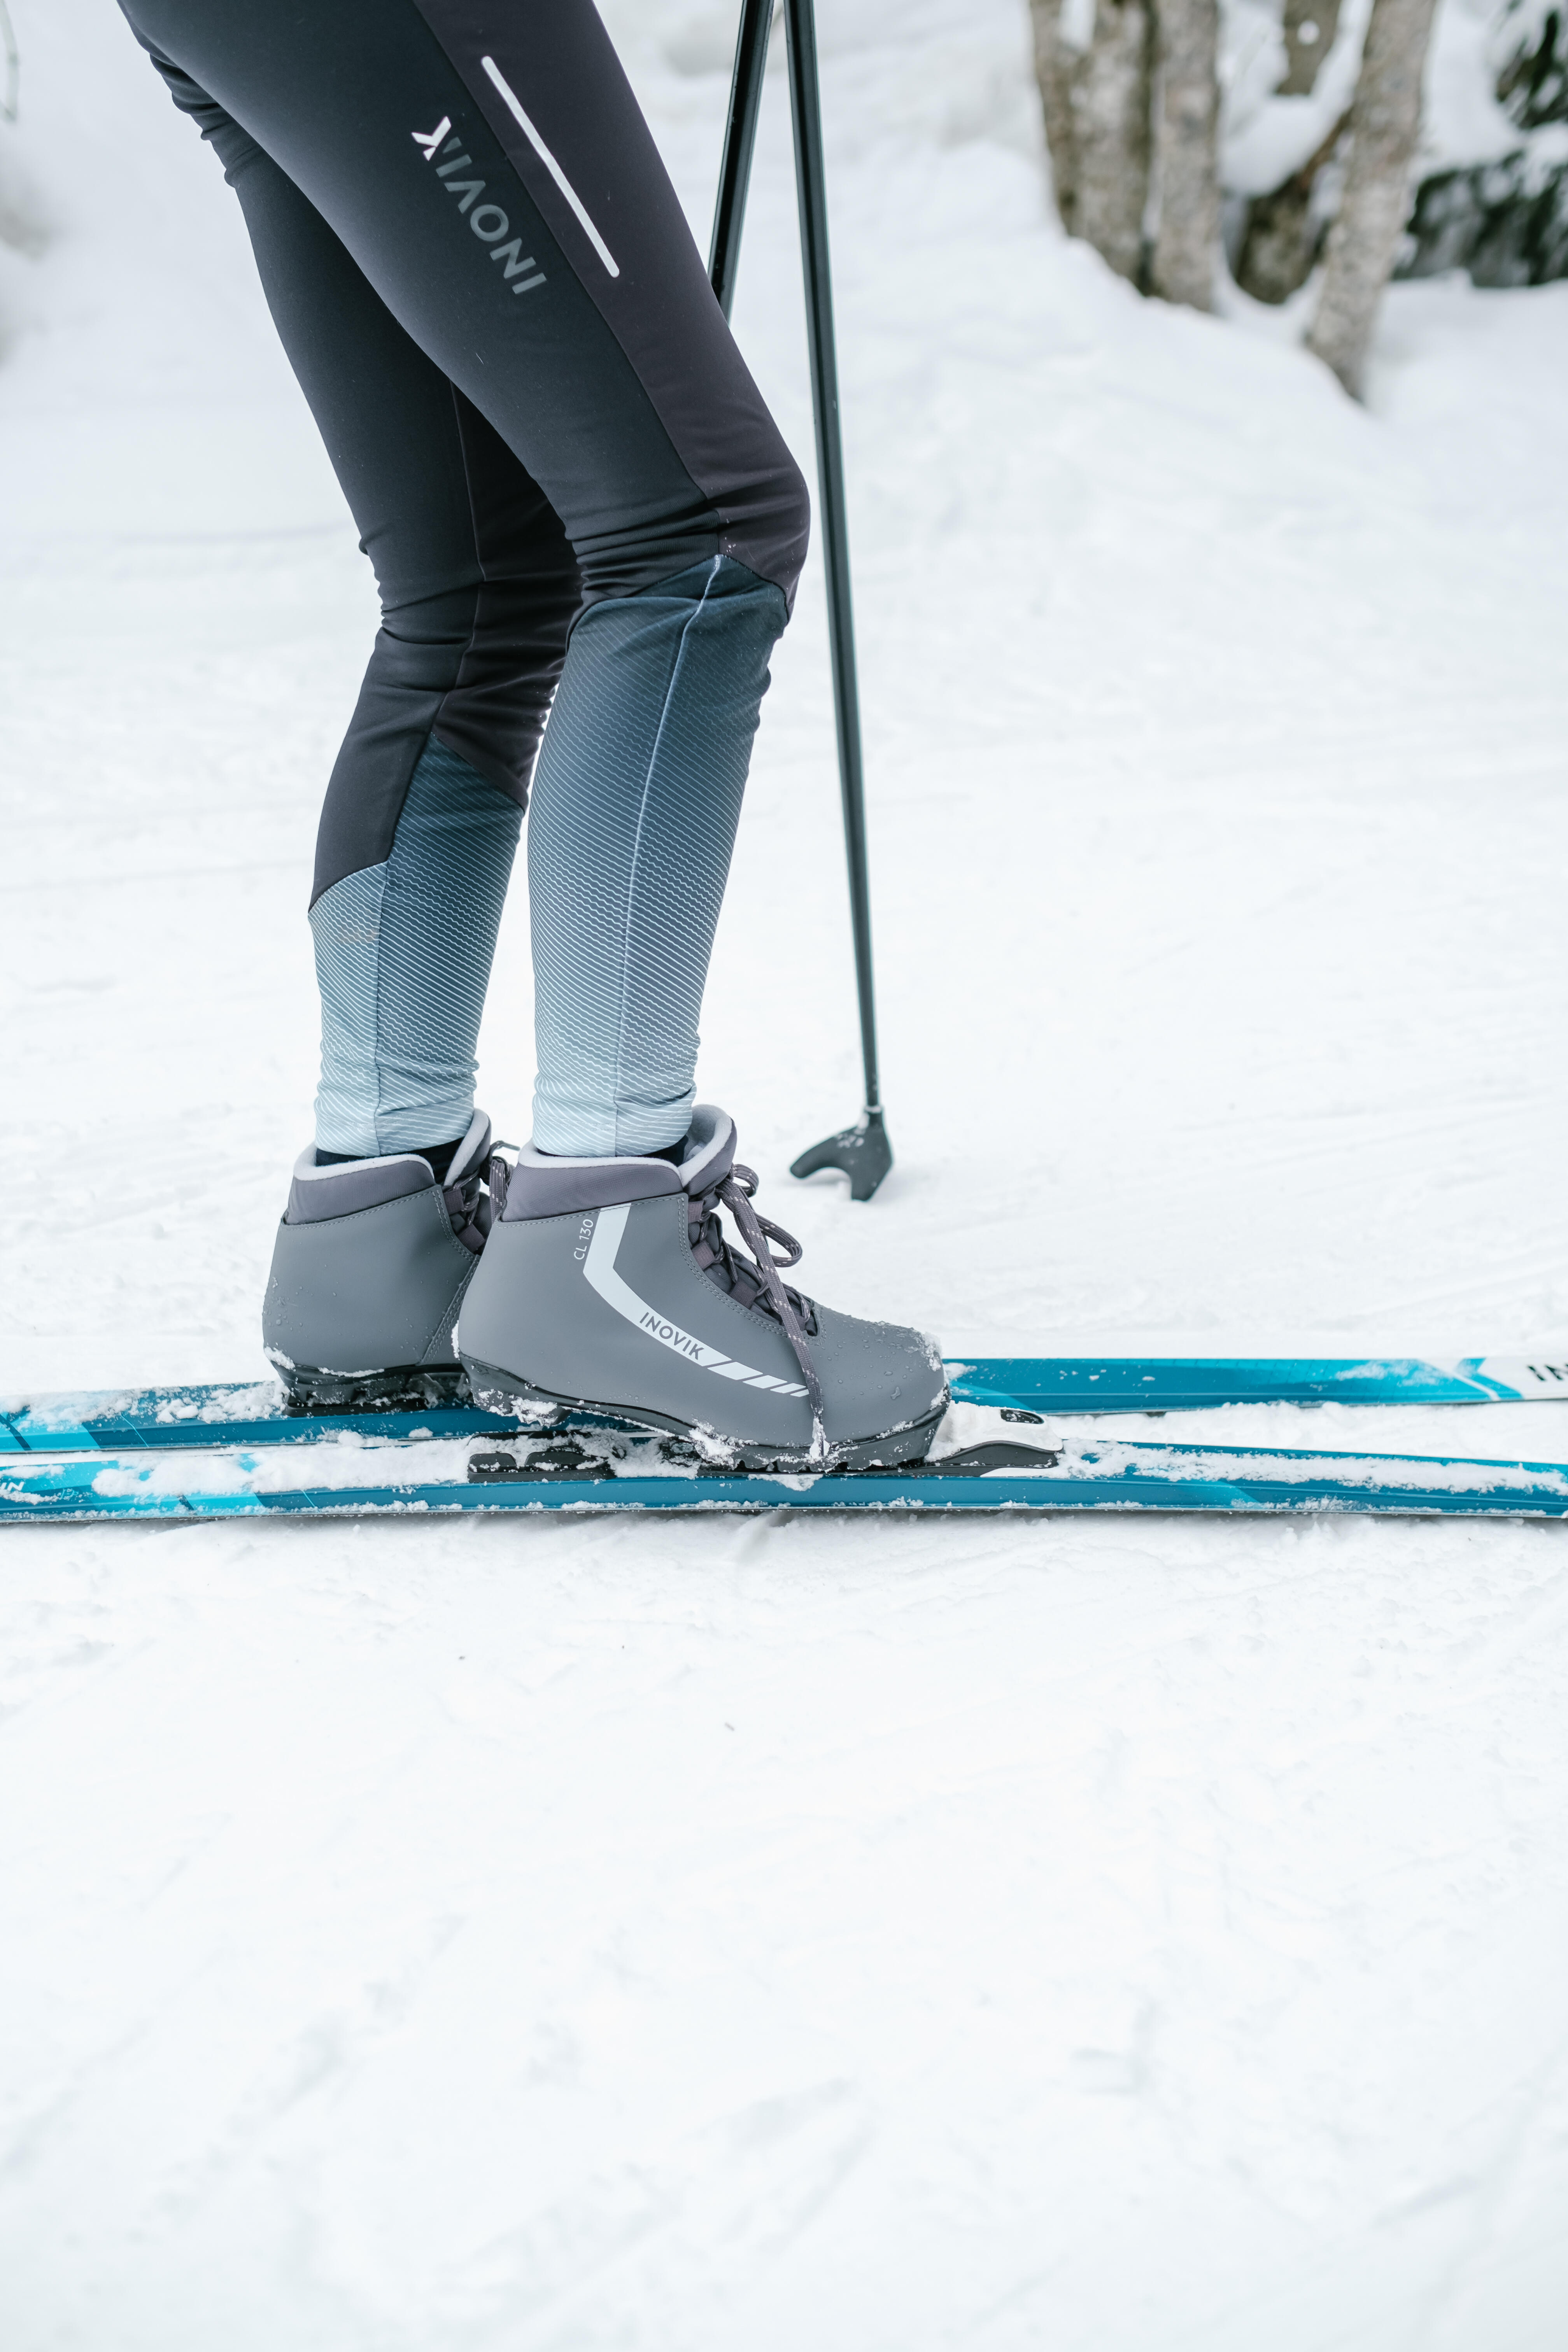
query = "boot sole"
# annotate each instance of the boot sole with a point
(501, 1391)
(400, 1388)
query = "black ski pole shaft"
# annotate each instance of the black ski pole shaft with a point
(739, 138)
(864, 1152)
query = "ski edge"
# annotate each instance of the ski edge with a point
(1239, 1481)
(156, 1420)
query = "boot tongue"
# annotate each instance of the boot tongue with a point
(710, 1149)
(471, 1153)
(467, 1207)
(705, 1161)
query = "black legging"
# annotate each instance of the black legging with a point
(490, 297)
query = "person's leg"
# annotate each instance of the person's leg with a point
(501, 193)
(507, 205)
(629, 849)
(479, 587)
(404, 950)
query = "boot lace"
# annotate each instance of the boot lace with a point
(469, 1206)
(753, 1281)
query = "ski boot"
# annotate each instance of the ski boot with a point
(371, 1262)
(609, 1284)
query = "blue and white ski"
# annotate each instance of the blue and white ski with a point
(599, 1468)
(256, 1413)
(1059, 1384)
(229, 1412)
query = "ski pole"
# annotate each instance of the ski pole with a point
(740, 137)
(862, 1151)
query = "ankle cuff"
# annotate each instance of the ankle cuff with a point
(543, 1185)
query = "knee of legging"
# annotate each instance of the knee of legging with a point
(759, 514)
(767, 525)
(423, 604)
(792, 527)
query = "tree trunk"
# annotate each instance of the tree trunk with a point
(1054, 63)
(1310, 29)
(1280, 247)
(1186, 243)
(1385, 120)
(1109, 95)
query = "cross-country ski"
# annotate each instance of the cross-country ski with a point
(1079, 1385)
(589, 1469)
(260, 1412)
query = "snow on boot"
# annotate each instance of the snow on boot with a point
(609, 1284)
(371, 1262)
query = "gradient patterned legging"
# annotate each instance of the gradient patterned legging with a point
(577, 506)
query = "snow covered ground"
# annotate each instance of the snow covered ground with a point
(880, 1938)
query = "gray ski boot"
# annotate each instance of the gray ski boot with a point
(609, 1284)
(371, 1262)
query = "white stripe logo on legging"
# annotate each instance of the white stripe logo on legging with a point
(551, 165)
(599, 1266)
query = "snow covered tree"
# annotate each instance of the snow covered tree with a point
(1533, 82)
(1504, 216)
(1111, 94)
(10, 67)
(1186, 238)
(1284, 230)
(1130, 91)
(1384, 119)
(1095, 94)
(20, 229)
(1492, 197)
